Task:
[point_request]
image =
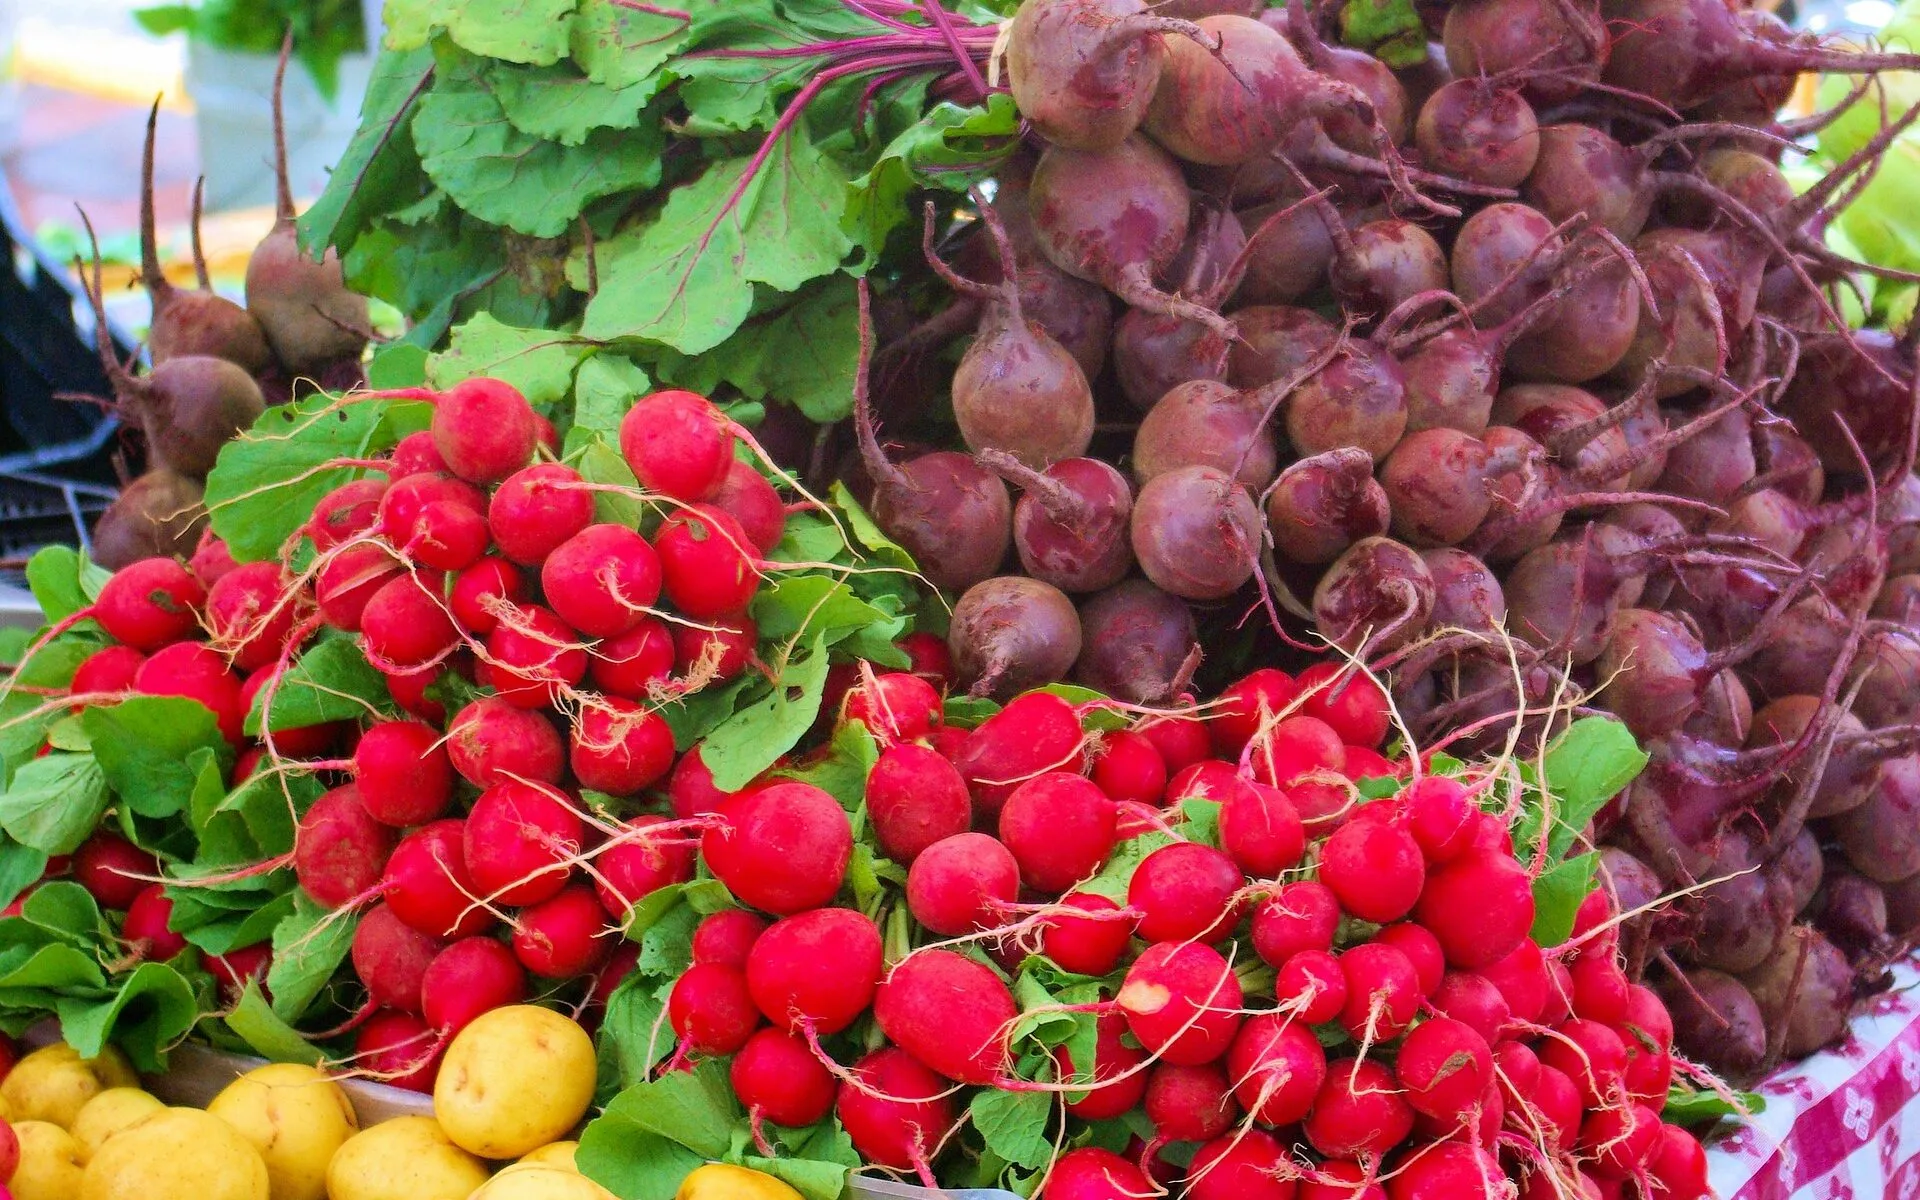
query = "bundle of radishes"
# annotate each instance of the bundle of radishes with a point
(1517, 372)
(216, 365)
(1177, 951)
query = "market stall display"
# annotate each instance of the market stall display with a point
(1059, 597)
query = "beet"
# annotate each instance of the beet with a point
(1276, 341)
(1323, 504)
(1358, 399)
(1083, 71)
(310, 318)
(1289, 250)
(1357, 69)
(159, 515)
(1071, 521)
(1011, 634)
(1717, 1021)
(1806, 985)
(1135, 643)
(190, 322)
(1196, 533)
(1555, 47)
(1584, 333)
(1116, 217)
(1833, 386)
(1436, 481)
(1016, 390)
(1581, 170)
(1490, 260)
(1688, 328)
(1478, 130)
(1203, 423)
(1155, 352)
(1851, 910)
(1377, 596)
(1466, 593)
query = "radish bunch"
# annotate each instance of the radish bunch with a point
(216, 365)
(1270, 986)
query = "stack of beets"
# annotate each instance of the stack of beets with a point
(464, 562)
(216, 365)
(1517, 372)
(1283, 1004)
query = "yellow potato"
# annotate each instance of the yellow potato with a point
(540, 1181)
(553, 1154)
(107, 1114)
(408, 1158)
(514, 1080)
(176, 1154)
(49, 1163)
(723, 1181)
(54, 1081)
(296, 1118)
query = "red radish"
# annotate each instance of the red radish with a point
(950, 1012)
(1599, 990)
(1129, 768)
(928, 654)
(1277, 1067)
(146, 925)
(896, 1112)
(620, 748)
(1090, 945)
(391, 958)
(960, 884)
(894, 707)
(1118, 1073)
(482, 591)
(1474, 1002)
(415, 454)
(1445, 1068)
(915, 798)
(518, 841)
(709, 565)
(782, 849)
(406, 626)
(492, 742)
(402, 774)
(107, 670)
(346, 512)
(1593, 1056)
(1261, 831)
(1358, 1111)
(348, 582)
(1445, 1170)
(630, 664)
(1181, 1001)
(427, 886)
(484, 429)
(600, 579)
(691, 786)
(1375, 869)
(533, 657)
(718, 651)
(192, 670)
(112, 869)
(237, 966)
(403, 503)
(711, 1009)
(1521, 979)
(1185, 892)
(1422, 950)
(1297, 916)
(1012, 633)
(1034, 734)
(446, 536)
(747, 497)
(636, 865)
(340, 850)
(1619, 1139)
(1060, 828)
(149, 604)
(305, 741)
(1313, 979)
(1248, 705)
(1678, 1164)
(1480, 906)
(727, 937)
(537, 508)
(472, 976)
(562, 937)
(1383, 992)
(1347, 700)
(777, 1078)
(1090, 1173)
(400, 1050)
(1440, 816)
(1342, 1179)
(678, 444)
(1251, 1165)
(1296, 747)
(409, 691)
(1189, 1104)
(818, 969)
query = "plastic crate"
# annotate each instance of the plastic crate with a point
(56, 455)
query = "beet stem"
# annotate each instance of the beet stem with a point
(159, 288)
(282, 186)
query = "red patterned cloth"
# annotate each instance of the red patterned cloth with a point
(1844, 1124)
